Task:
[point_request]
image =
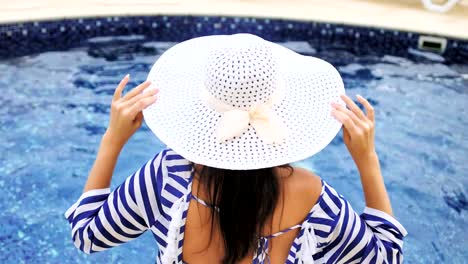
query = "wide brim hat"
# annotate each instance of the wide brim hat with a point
(240, 102)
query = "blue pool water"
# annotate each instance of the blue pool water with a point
(54, 108)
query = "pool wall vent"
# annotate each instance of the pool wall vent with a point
(433, 44)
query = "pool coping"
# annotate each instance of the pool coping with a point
(26, 38)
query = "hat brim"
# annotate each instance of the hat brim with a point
(184, 122)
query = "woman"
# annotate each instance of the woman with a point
(235, 111)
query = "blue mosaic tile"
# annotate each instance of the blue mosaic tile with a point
(19, 39)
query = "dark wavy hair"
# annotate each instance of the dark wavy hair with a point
(246, 200)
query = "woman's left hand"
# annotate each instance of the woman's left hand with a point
(126, 111)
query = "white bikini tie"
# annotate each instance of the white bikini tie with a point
(170, 253)
(309, 245)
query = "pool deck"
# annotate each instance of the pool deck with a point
(406, 15)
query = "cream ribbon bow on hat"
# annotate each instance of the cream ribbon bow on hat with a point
(261, 116)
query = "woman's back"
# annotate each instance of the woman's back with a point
(299, 193)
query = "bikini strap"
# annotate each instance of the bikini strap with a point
(265, 237)
(262, 255)
(283, 231)
(204, 203)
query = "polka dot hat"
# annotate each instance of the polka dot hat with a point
(240, 102)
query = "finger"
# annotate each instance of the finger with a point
(133, 100)
(348, 112)
(137, 90)
(346, 135)
(120, 87)
(346, 121)
(353, 107)
(368, 106)
(138, 119)
(138, 106)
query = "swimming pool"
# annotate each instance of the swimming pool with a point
(55, 101)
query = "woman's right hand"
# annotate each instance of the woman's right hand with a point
(358, 129)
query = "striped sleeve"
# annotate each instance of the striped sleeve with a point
(386, 239)
(372, 237)
(101, 219)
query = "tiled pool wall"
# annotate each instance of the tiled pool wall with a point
(18, 39)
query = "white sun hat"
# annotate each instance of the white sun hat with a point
(240, 102)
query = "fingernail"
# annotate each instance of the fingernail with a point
(127, 76)
(358, 95)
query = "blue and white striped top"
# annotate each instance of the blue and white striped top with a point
(157, 196)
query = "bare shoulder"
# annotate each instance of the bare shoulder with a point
(307, 184)
(303, 187)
